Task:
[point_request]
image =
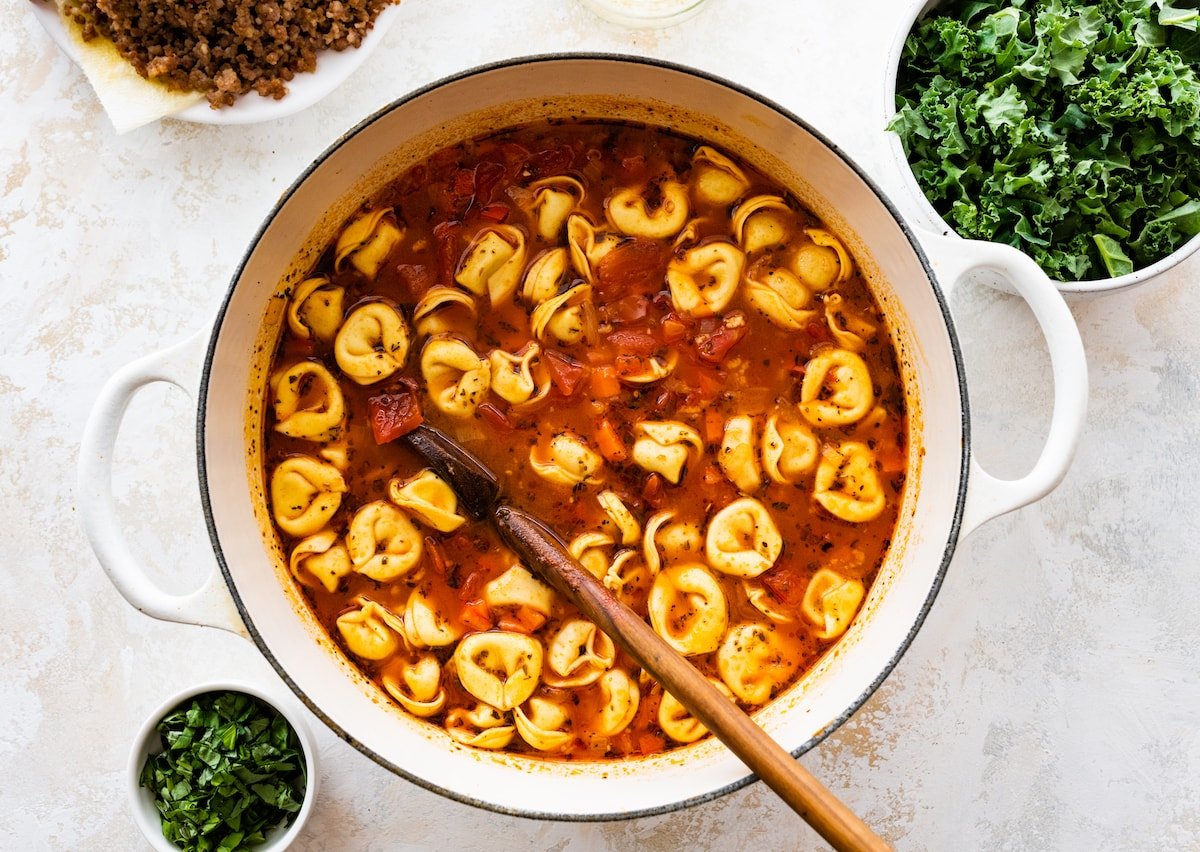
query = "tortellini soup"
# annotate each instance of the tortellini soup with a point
(662, 354)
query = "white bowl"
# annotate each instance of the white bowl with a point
(149, 742)
(918, 208)
(304, 90)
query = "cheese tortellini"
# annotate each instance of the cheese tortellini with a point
(664, 447)
(762, 221)
(545, 276)
(456, 378)
(591, 551)
(679, 724)
(482, 727)
(664, 541)
(789, 449)
(519, 378)
(619, 697)
(427, 496)
(367, 241)
(426, 626)
(517, 587)
(321, 558)
(848, 484)
(742, 539)
(823, 262)
(498, 667)
(780, 296)
(849, 330)
(716, 179)
(493, 263)
(587, 245)
(620, 516)
(445, 310)
(688, 608)
(831, 601)
(418, 689)
(316, 309)
(383, 543)
(308, 402)
(753, 663)
(567, 461)
(836, 390)
(568, 317)
(578, 654)
(656, 211)
(372, 344)
(554, 199)
(547, 725)
(738, 456)
(704, 280)
(371, 632)
(305, 493)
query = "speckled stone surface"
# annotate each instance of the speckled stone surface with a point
(1052, 700)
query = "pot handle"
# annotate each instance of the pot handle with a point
(988, 497)
(210, 605)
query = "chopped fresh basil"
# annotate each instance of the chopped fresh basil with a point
(230, 771)
(1067, 128)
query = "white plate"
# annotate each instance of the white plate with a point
(304, 90)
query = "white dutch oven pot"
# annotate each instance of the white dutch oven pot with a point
(948, 494)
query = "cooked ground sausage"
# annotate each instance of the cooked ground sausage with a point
(226, 48)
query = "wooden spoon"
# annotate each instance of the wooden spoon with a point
(542, 550)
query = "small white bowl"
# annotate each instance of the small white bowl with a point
(149, 742)
(304, 90)
(918, 208)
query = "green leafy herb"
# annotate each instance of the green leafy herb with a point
(1067, 128)
(231, 770)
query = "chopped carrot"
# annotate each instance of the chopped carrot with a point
(476, 615)
(714, 426)
(604, 382)
(523, 619)
(650, 743)
(609, 442)
(892, 459)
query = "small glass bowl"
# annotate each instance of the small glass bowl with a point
(149, 742)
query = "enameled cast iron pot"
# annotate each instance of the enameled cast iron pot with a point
(911, 274)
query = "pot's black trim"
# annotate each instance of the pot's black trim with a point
(955, 526)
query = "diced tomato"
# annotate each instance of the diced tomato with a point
(463, 184)
(673, 329)
(634, 341)
(303, 347)
(476, 615)
(649, 743)
(654, 490)
(712, 474)
(786, 584)
(552, 161)
(565, 372)
(469, 588)
(631, 308)
(437, 556)
(714, 346)
(416, 278)
(609, 442)
(714, 426)
(394, 414)
(496, 418)
(630, 365)
(702, 378)
(513, 153)
(444, 162)
(446, 234)
(604, 383)
(622, 743)
(497, 211)
(636, 266)
(818, 331)
(485, 178)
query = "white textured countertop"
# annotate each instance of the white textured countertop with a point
(1051, 701)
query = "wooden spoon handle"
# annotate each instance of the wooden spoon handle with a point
(544, 551)
(471, 479)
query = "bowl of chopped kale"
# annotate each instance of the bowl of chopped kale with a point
(1069, 129)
